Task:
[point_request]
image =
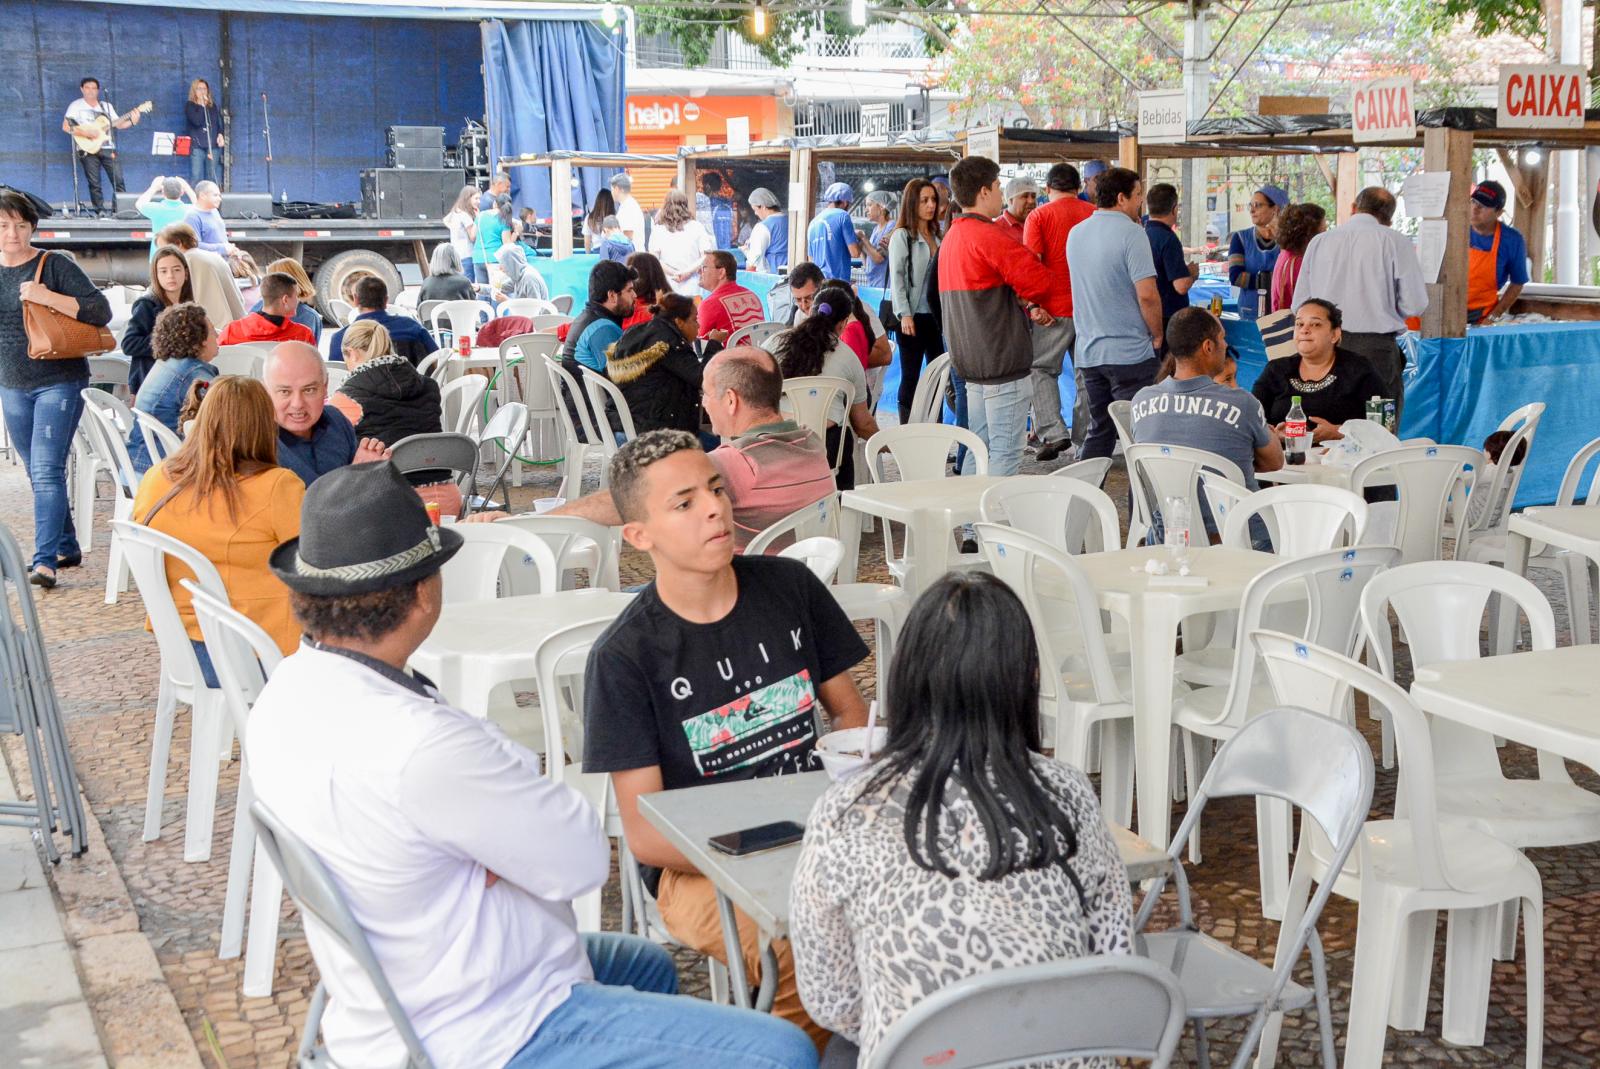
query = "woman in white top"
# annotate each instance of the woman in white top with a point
(462, 219)
(680, 243)
(813, 347)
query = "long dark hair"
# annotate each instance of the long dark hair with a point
(603, 206)
(806, 344)
(911, 213)
(857, 309)
(964, 709)
(652, 281)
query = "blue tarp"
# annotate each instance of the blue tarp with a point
(550, 86)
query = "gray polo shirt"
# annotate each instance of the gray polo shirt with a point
(1106, 254)
(1202, 414)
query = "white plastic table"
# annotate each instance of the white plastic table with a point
(930, 509)
(1575, 528)
(1153, 613)
(1546, 699)
(478, 645)
(759, 884)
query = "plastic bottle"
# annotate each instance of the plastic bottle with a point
(1294, 434)
(1175, 520)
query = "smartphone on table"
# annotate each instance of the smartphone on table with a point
(757, 839)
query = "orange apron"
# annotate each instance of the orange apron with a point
(1483, 280)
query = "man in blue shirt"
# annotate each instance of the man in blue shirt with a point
(715, 211)
(313, 438)
(831, 240)
(1497, 256)
(409, 337)
(1173, 275)
(599, 325)
(205, 219)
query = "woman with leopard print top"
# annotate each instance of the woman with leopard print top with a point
(916, 874)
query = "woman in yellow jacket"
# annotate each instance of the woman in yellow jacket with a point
(224, 494)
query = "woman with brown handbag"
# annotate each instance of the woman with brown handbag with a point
(40, 393)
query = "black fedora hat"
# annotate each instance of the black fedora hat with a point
(362, 529)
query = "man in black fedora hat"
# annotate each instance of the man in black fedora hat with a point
(458, 859)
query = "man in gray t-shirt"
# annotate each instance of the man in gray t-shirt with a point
(1116, 307)
(1192, 409)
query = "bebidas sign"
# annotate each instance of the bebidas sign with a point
(1541, 96)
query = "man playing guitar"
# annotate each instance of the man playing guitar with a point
(92, 122)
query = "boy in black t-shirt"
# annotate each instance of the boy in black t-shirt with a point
(721, 669)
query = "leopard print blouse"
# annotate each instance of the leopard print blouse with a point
(874, 933)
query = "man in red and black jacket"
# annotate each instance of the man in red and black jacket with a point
(990, 286)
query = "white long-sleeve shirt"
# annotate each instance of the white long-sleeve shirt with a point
(410, 804)
(1369, 270)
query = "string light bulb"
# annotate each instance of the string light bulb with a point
(608, 15)
(858, 12)
(758, 19)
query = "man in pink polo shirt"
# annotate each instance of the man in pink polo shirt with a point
(730, 307)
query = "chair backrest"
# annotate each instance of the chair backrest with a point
(563, 303)
(526, 306)
(1174, 471)
(463, 316)
(1065, 513)
(922, 451)
(755, 334)
(1092, 471)
(337, 377)
(107, 370)
(423, 452)
(243, 359)
(927, 403)
(429, 366)
(1118, 1006)
(1428, 479)
(1494, 492)
(602, 390)
(160, 441)
(567, 537)
(547, 323)
(459, 402)
(106, 440)
(821, 554)
(1305, 518)
(320, 901)
(425, 311)
(809, 399)
(1121, 413)
(473, 574)
(816, 520)
(1572, 478)
(147, 552)
(559, 669)
(341, 310)
(507, 429)
(242, 654)
(1223, 495)
(569, 399)
(1017, 558)
(522, 359)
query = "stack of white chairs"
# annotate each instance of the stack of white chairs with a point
(107, 422)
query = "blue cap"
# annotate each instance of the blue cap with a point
(1095, 167)
(839, 191)
(1276, 194)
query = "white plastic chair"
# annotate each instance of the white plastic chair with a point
(474, 573)
(1164, 471)
(159, 439)
(547, 324)
(523, 378)
(1078, 687)
(820, 519)
(1429, 480)
(1495, 491)
(1103, 1006)
(1092, 471)
(110, 451)
(1408, 868)
(1067, 514)
(243, 656)
(148, 553)
(1321, 767)
(244, 359)
(337, 377)
(576, 543)
(1301, 518)
(563, 303)
(109, 369)
(927, 402)
(464, 318)
(920, 451)
(341, 310)
(809, 400)
(1121, 413)
(433, 365)
(526, 306)
(575, 449)
(602, 390)
(821, 554)
(459, 403)
(755, 334)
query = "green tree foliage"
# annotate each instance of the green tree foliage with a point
(1525, 18)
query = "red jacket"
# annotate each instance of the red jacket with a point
(982, 273)
(257, 327)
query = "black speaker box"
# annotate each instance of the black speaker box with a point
(247, 205)
(416, 137)
(416, 159)
(403, 193)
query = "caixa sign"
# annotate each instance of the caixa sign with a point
(662, 116)
(1543, 95)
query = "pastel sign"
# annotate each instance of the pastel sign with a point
(1542, 95)
(1382, 110)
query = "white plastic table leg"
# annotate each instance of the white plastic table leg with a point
(1154, 634)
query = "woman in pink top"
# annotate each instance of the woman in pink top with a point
(1297, 225)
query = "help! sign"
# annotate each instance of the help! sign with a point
(1381, 110)
(1541, 95)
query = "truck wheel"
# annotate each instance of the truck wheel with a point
(338, 273)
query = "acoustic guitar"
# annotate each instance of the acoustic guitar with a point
(91, 136)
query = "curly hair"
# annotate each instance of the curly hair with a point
(632, 460)
(1297, 225)
(675, 211)
(179, 331)
(363, 617)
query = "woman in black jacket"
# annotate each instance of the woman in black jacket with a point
(169, 285)
(203, 124)
(655, 366)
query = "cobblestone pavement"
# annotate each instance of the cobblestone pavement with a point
(106, 671)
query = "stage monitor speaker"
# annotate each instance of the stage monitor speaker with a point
(416, 159)
(247, 205)
(403, 193)
(416, 137)
(125, 202)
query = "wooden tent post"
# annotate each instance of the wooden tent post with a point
(1129, 155)
(1346, 184)
(802, 181)
(1450, 151)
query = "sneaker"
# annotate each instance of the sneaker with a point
(1051, 450)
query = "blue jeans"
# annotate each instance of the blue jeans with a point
(480, 272)
(998, 413)
(958, 386)
(41, 421)
(631, 1018)
(202, 169)
(208, 673)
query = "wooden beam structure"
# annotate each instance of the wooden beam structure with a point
(1450, 151)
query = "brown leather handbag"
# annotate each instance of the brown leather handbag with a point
(53, 336)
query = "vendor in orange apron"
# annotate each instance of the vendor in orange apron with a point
(1497, 256)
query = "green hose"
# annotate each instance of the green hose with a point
(493, 381)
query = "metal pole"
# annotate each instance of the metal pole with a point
(1197, 90)
(1569, 194)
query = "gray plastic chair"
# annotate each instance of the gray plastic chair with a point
(1108, 1006)
(319, 900)
(457, 453)
(1320, 765)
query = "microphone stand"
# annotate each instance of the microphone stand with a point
(77, 201)
(266, 129)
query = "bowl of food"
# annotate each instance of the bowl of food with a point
(843, 753)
